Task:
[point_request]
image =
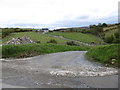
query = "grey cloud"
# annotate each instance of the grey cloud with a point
(83, 17)
(68, 23)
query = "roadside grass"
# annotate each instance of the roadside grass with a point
(87, 38)
(29, 50)
(38, 37)
(106, 54)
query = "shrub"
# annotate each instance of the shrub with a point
(38, 42)
(71, 43)
(113, 38)
(109, 39)
(52, 41)
(6, 31)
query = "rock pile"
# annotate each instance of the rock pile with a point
(22, 40)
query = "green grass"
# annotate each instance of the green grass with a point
(8, 31)
(0, 51)
(111, 32)
(0, 36)
(87, 38)
(105, 54)
(43, 38)
(110, 28)
(0, 41)
(28, 50)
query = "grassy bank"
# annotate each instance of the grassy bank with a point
(111, 32)
(87, 38)
(106, 54)
(28, 50)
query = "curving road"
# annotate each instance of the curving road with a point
(58, 70)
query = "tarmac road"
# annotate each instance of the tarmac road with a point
(58, 70)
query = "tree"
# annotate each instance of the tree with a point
(99, 25)
(92, 26)
(104, 25)
(52, 41)
(71, 29)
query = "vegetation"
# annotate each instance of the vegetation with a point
(106, 54)
(8, 31)
(96, 34)
(72, 43)
(99, 25)
(110, 32)
(87, 38)
(38, 37)
(106, 33)
(112, 36)
(0, 35)
(101, 31)
(52, 41)
(28, 50)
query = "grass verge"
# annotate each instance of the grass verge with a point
(106, 54)
(28, 50)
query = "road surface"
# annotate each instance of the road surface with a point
(58, 70)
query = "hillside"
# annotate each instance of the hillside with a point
(38, 37)
(86, 38)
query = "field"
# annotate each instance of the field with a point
(110, 28)
(110, 32)
(101, 53)
(106, 54)
(27, 50)
(87, 38)
(43, 38)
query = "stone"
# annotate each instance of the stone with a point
(22, 40)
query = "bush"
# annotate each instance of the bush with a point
(104, 25)
(109, 39)
(71, 43)
(113, 38)
(38, 42)
(117, 37)
(6, 31)
(52, 41)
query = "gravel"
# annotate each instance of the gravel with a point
(58, 70)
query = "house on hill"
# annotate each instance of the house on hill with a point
(43, 30)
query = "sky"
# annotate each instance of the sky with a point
(57, 13)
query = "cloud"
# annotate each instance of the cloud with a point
(56, 13)
(83, 17)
